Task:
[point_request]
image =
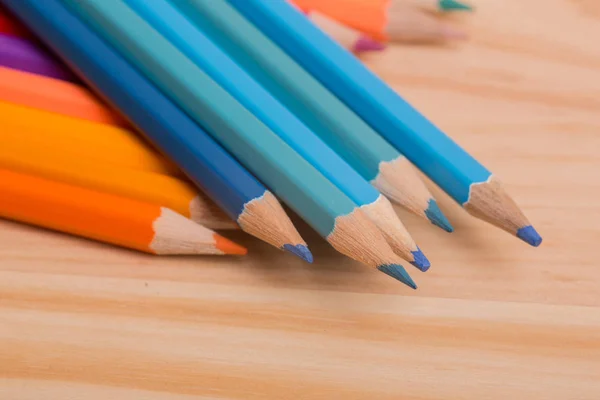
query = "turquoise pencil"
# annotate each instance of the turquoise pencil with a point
(176, 28)
(437, 155)
(344, 131)
(321, 204)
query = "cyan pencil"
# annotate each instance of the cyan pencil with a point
(210, 167)
(28, 56)
(176, 28)
(437, 155)
(346, 133)
(321, 204)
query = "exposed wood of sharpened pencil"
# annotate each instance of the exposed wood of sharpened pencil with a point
(206, 163)
(384, 20)
(336, 124)
(292, 178)
(79, 138)
(25, 55)
(282, 123)
(55, 95)
(166, 191)
(112, 219)
(435, 153)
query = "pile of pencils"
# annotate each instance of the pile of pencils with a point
(238, 104)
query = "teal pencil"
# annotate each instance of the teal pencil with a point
(335, 123)
(176, 28)
(321, 204)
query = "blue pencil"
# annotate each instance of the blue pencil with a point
(320, 203)
(345, 132)
(447, 164)
(176, 28)
(244, 199)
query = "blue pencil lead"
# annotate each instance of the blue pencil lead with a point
(299, 250)
(529, 235)
(398, 272)
(435, 215)
(421, 262)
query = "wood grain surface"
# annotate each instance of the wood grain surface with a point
(493, 319)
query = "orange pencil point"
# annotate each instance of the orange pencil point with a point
(229, 247)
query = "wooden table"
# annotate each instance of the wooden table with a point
(493, 319)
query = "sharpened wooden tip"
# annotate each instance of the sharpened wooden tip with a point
(490, 202)
(175, 234)
(265, 219)
(357, 237)
(408, 24)
(382, 214)
(399, 181)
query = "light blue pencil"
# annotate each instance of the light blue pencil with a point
(447, 164)
(176, 28)
(325, 207)
(344, 131)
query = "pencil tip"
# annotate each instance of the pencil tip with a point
(421, 262)
(299, 250)
(366, 44)
(529, 235)
(454, 5)
(229, 247)
(398, 272)
(437, 217)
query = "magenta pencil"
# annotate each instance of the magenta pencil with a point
(28, 56)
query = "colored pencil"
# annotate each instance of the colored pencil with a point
(55, 95)
(322, 205)
(438, 5)
(347, 37)
(369, 154)
(25, 55)
(180, 196)
(437, 155)
(385, 21)
(177, 29)
(10, 26)
(77, 138)
(106, 218)
(221, 177)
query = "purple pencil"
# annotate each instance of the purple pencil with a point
(28, 56)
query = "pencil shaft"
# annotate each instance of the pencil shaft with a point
(166, 191)
(79, 138)
(427, 147)
(207, 56)
(10, 26)
(335, 123)
(291, 177)
(100, 216)
(436, 154)
(25, 55)
(206, 163)
(56, 96)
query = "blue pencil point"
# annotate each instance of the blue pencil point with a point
(435, 215)
(398, 272)
(299, 250)
(421, 262)
(453, 5)
(529, 235)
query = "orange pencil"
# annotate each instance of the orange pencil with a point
(72, 137)
(56, 96)
(106, 218)
(384, 20)
(149, 187)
